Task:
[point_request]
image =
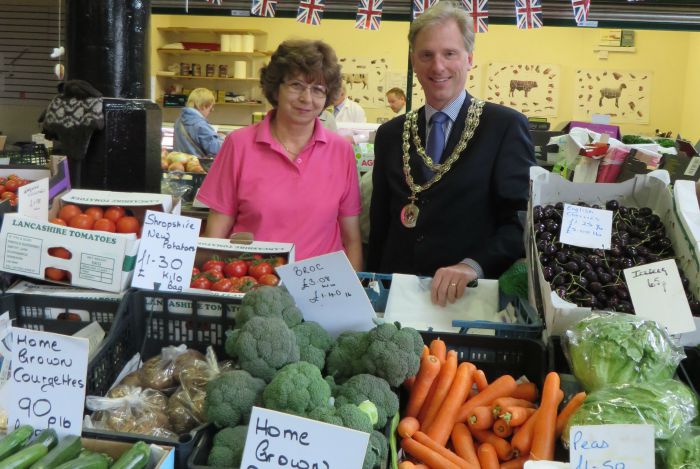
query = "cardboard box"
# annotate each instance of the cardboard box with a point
(162, 457)
(100, 260)
(650, 190)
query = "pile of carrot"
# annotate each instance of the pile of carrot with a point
(456, 419)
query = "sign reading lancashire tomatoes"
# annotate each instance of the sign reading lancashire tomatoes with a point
(166, 253)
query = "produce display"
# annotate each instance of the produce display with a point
(237, 274)
(593, 277)
(178, 161)
(9, 186)
(114, 219)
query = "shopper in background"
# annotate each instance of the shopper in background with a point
(287, 178)
(448, 205)
(347, 110)
(193, 134)
(396, 99)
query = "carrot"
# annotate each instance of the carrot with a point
(522, 440)
(503, 448)
(421, 466)
(543, 440)
(527, 391)
(503, 402)
(570, 407)
(407, 427)
(488, 458)
(408, 383)
(502, 429)
(479, 378)
(426, 455)
(438, 348)
(425, 352)
(515, 415)
(428, 371)
(424, 439)
(463, 443)
(481, 418)
(406, 465)
(501, 387)
(442, 385)
(440, 429)
(516, 463)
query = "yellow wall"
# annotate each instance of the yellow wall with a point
(670, 55)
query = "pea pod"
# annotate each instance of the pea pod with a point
(14, 441)
(135, 458)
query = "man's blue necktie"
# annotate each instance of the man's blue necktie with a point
(436, 140)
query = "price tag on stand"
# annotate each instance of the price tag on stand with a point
(327, 290)
(46, 386)
(166, 252)
(611, 446)
(33, 200)
(278, 440)
(586, 227)
(656, 289)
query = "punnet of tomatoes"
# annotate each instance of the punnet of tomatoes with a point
(114, 219)
(236, 274)
(9, 186)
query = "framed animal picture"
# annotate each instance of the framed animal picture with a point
(532, 89)
(623, 95)
(365, 80)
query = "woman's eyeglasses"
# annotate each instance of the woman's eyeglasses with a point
(298, 87)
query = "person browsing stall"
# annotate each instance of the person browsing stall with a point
(446, 205)
(347, 110)
(287, 178)
(193, 134)
(396, 99)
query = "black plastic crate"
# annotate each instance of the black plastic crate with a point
(689, 369)
(200, 453)
(29, 153)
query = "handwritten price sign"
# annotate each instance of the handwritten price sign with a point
(166, 252)
(586, 227)
(612, 447)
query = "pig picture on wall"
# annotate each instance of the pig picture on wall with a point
(532, 89)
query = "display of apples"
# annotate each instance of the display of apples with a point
(178, 161)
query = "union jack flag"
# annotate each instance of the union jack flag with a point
(528, 13)
(581, 8)
(263, 7)
(369, 14)
(310, 11)
(218, 2)
(479, 11)
(419, 6)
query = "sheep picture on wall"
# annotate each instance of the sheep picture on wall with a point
(611, 93)
(532, 89)
(624, 95)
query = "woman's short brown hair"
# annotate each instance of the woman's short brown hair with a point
(312, 59)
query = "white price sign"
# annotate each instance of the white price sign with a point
(611, 447)
(166, 252)
(586, 227)
(33, 200)
(46, 387)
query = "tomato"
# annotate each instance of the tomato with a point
(104, 224)
(2, 188)
(128, 225)
(268, 279)
(201, 282)
(3, 179)
(12, 185)
(13, 202)
(277, 261)
(247, 283)
(195, 272)
(58, 221)
(114, 213)
(82, 221)
(63, 253)
(258, 269)
(68, 211)
(222, 285)
(214, 275)
(7, 195)
(13, 177)
(236, 268)
(95, 212)
(55, 274)
(213, 264)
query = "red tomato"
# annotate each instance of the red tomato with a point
(268, 279)
(68, 211)
(95, 212)
(3, 179)
(212, 264)
(195, 272)
(82, 221)
(58, 221)
(258, 269)
(12, 185)
(2, 188)
(277, 261)
(236, 268)
(114, 213)
(7, 195)
(222, 285)
(104, 224)
(201, 282)
(247, 283)
(13, 177)
(128, 225)
(63, 253)
(214, 275)
(55, 274)
(13, 202)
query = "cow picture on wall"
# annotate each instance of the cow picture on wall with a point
(624, 95)
(532, 89)
(365, 80)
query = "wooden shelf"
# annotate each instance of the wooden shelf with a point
(246, 104)
(254, 32)
(614, 49)
(190, 77)
(244, 55)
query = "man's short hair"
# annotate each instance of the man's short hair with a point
(441, 12)
(398, 92)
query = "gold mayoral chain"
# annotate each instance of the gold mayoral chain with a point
(409, 213)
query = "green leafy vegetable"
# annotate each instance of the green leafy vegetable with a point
(683, 450)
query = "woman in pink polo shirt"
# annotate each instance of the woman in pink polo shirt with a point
(287, 178)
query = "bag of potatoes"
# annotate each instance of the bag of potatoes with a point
(162, 372)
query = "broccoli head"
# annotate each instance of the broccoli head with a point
(348, 415)
(345, 357)
(231, 396)
(314, 341)
(298, 388)
(262, 346)
(377, 451)
(268, 301)
(369, 387)
(227, 447)
(393, 353)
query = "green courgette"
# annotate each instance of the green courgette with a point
(14, 441)
(92, 461)
(25, 457)
(135, 458)
(68, 448)
(48, 438)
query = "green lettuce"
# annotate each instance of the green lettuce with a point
(615, 348)
(683, 450)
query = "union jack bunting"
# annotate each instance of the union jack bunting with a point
(217, 2)
(369, 14)
(419, 6)
(310, 11)
(263, 7)
(581, 8)
(528, 13)
(479, 11)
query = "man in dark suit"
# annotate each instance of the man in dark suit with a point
(446, 205)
